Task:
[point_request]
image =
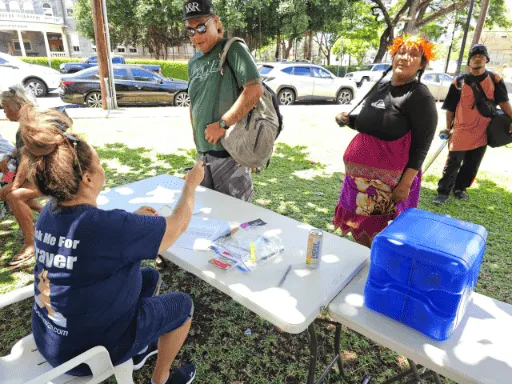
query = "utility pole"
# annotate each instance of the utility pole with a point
(484, 7)
(101, 48)
(451, 44)
(464, 37)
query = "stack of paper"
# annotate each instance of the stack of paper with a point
(201, 232)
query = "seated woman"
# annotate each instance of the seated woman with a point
(89, 286)
(20, 195)
(383, 162)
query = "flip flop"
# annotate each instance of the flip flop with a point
(24, 255)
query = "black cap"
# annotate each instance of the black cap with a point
(478, 49)
(197, 8)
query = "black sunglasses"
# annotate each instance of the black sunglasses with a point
(201, 28)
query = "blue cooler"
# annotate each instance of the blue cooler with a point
(423, 269)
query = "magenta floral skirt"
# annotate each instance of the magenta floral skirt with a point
(373, 169)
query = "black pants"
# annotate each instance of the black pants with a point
(457, 177)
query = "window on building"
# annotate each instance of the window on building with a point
(47, 9)
(69, 12)
(94, 48)
(3, 7)
(14, 6)
(26, 44)
(28, 7)
(69, 7)
(133, 50)
(75, 43)
(121, 49)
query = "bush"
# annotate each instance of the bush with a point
(169, 68)
(339, 70)
(56, 61)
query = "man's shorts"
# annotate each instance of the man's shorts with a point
(224, 175)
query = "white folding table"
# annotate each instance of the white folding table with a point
(479, 351)
(305, 293)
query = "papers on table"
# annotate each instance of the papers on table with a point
(201, 231)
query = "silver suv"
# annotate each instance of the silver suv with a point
(302, 81)
(371, 72)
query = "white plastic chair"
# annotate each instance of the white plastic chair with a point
(26, 365)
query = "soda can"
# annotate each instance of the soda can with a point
(314, 250)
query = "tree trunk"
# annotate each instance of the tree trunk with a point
(484, 6)
(385, 40)
(328, 56)
(278, 45)
(410, 26)
(288, 49)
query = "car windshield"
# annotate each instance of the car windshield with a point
(367, 68)
(15, 61)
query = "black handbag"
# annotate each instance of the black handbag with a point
(498, 130)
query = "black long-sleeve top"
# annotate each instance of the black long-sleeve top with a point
(390, 112)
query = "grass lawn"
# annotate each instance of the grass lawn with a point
(299, 188)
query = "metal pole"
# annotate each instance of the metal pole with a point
(464, 37)
(451, 44)
(111, 84)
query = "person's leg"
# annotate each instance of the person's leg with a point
(168, 347)
(17, 201)
(230, 178)
(35, 205)
(469, 169)
(451, 168)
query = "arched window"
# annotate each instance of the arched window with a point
(47, 9)
(14, 6)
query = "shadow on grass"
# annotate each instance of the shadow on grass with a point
(296, 187)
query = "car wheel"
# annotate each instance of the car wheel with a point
(37, 87)
(286, 96)
(93, 99)
(182, 99)
(344, 96)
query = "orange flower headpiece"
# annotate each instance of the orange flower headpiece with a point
(427, 48)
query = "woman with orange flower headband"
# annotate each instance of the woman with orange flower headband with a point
(383, 162)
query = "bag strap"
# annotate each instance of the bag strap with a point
(224, 55)
(371, 90)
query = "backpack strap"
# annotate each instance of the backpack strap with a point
(224, 55)
(459, 81)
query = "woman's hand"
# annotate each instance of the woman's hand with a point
(196, 175)
(401, 192)
(146, 211)
(342, 119)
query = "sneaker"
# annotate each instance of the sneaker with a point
(183, 375)
(140, 359)
(441, 199)
(461, 195)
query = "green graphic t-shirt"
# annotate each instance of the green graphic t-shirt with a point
(204, 77)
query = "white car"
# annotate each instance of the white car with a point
(301, 81)
(39, 79)
(438, 84)
(371, 72)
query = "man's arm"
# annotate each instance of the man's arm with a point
(450, 116)
(191, 119)
(251, 94)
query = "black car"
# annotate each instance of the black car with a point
(134, 85)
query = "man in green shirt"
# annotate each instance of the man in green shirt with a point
(213, 112)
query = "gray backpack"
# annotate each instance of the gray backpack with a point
(250, 142)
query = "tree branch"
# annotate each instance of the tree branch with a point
(402, 11)
(442, 12)
(384, 12)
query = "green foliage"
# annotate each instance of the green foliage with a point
(55, 61)
(171, 69)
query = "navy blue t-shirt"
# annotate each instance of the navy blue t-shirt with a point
(88, 279)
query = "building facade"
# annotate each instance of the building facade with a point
(47, 28)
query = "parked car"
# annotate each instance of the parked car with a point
(93, 62)
(133, 84)
(438, 83)
(371, 72)
(38, 78)
(298, 81)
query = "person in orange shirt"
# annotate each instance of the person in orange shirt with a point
(468, 127)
